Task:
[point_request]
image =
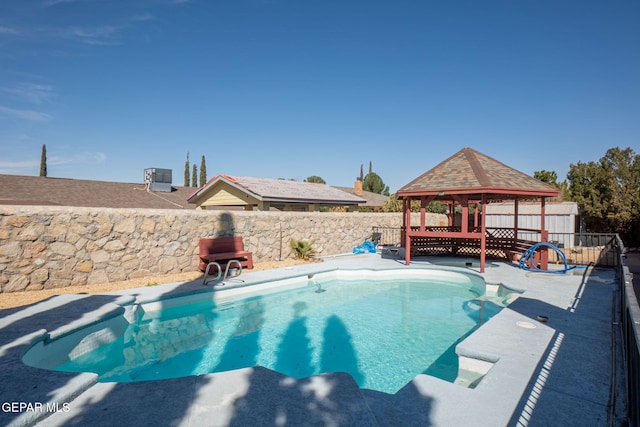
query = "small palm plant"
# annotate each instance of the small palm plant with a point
(302, 248)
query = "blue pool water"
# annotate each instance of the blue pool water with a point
(382, 332)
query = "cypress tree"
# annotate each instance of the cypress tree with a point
(43, 161)
(194, 176)
(203, 172)
(186, 171)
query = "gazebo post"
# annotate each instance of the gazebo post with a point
(423, 213)
(465, 214)
(475, 216)
(407, 229)
(483, 235)
(516, 204)
(403, 234)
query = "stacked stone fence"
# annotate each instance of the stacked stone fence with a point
(54, 247)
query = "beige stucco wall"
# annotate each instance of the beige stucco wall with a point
(50, 247)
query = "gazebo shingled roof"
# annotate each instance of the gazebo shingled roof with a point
(465, 178)
(471, 172)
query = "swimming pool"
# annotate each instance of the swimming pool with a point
(382, 327)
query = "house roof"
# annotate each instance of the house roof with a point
(473, 173)
(278, 190)
(372, 199)
(37, 190)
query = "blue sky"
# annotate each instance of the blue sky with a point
(293, 88)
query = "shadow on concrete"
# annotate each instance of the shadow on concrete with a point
(19, 328)
(574, 383)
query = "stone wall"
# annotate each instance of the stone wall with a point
(53, 247)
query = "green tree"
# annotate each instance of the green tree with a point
(43, 161)
(186, 171)
(437, 206)
(315, 179)
(203, 172)
(373, 183)
(361, 173)
(194, 176)
(607, 193)
(393, 204)
(551, 178)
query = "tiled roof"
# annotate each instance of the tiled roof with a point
(268, 189)
(37, 190)
(469, 171)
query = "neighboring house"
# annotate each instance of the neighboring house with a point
(224, 193)
(374, 201)
(265, 194)
(43, 191)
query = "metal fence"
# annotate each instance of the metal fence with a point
(586, 248)
(386, 236)
(630, 313)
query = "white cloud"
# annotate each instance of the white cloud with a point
(30, 92)
(142, 18)
(30, 115)
(57, 2)
(7, 30)
(27, 167)
(13, 168)
(104, 35)
(86, 157)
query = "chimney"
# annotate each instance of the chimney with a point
(357, 187)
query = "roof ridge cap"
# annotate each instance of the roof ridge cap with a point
(476, 167)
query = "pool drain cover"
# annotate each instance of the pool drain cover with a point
(526, 325)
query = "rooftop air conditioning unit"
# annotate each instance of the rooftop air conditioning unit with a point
(158, 179)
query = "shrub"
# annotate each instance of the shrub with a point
(302, 249)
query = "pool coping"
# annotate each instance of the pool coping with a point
(424, 401)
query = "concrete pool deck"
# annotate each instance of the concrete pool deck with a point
(556, 373)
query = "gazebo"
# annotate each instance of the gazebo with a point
(470, 178)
